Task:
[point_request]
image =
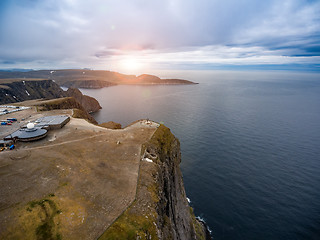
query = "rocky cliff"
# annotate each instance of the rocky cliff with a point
(175, 217)
(161, 210)
(90, 104)
(18, 91)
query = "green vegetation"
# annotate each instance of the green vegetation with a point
(131, 226)
(139, 220)
(164, 139)
(47, 209)
(59, 103)
(154, 190)
(200, 233)
(39, 220)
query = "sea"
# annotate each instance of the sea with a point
(250, 145)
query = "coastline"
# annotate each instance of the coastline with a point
(207, 229)
(89, 79)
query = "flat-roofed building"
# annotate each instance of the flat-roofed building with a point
(52, 122)
(27, 134)
(38, 129)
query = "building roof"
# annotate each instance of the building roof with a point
(28, 134)
(5, 142)
(38, 129)
(51, 120)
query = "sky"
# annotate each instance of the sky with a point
(136, 35)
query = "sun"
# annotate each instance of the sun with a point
(130, 64)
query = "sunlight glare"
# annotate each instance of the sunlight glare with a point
(130, 64)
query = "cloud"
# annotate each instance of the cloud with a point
(219, 55)
(96, 32)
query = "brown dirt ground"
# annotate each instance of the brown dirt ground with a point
(89, 172)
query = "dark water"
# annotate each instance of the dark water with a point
(250, 147)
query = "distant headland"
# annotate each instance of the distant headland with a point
(86, 78)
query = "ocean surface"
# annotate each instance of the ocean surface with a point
(250, 146)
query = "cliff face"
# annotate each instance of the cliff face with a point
(175, 217)
(90, 104)
(28, 90)
(161, 210)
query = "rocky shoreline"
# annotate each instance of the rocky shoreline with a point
(206, 227)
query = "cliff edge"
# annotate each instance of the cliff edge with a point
(160, 210)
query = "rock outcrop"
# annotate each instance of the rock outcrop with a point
(111, 125)
(18, 91)
(90, 104)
